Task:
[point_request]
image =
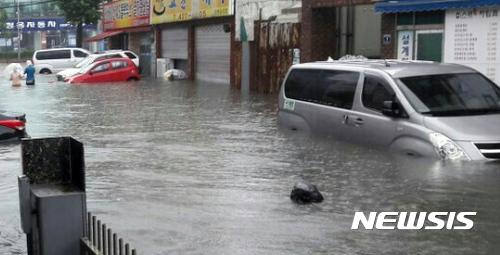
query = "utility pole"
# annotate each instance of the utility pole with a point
(18, 34)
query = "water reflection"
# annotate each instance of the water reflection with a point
(200, 169)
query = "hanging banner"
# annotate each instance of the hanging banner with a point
(164, 11)
(472, 38)
(405, 45)
(125, 13)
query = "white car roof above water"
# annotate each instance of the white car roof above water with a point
(395, 68)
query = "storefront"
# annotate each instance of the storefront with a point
(196, 37)
(126, 26)
(42, 33)
(461, 32)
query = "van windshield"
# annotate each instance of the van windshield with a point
(452, 94)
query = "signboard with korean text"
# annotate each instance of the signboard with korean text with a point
(472, 39)
(125, 13)
(405, 45)
(43, 24)
(164, 11)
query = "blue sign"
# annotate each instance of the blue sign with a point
(43, 24)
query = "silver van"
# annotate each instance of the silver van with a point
(417, 108)
(55, 60)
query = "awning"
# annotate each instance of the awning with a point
(427, 5)
(104, 35)
(137, 29)
(116, 32)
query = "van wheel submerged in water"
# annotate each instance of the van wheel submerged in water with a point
(45, 71)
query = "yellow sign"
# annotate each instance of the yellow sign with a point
(164, 11)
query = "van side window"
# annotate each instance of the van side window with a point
(332, 88)
(54, 54)
(62, 54)
(338, 88)
(376, 90)
(301, 84)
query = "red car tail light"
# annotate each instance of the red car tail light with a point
(14, 124)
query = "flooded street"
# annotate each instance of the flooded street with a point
(179, 168)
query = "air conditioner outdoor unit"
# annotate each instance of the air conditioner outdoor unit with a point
(161, 67)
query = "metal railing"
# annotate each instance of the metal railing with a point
(101, 240)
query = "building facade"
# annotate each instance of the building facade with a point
(462, 32)
(126, 26)
(195, 36)
(335, 28)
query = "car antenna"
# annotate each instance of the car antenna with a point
(386, 64)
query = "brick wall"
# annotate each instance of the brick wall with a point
(388, 27)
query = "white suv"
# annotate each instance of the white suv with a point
(55, 60)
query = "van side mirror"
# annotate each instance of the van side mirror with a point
(91, 72)
(392, 109)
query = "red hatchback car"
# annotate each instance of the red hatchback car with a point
(109, 70)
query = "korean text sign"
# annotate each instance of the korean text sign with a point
(163, 11)
(126, 13)
(42, 24)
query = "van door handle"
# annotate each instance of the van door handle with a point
(358, 122)
(352, 120)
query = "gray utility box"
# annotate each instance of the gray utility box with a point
(52, 195)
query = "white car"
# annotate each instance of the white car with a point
(94, 58)
(55, 60)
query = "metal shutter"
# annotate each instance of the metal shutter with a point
(174, 43)
(213, 51)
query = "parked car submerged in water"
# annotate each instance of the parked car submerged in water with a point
(95, 58)
(12, 126)
(109, 70)
(417, 108)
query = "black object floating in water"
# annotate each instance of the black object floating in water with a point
(305, 193)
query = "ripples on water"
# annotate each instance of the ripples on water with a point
(178, 168)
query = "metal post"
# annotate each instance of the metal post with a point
(18, 33)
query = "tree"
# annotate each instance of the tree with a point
(79, 12)
(3, 27)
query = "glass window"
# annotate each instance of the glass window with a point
(118, 64)
(405, 18)
(338, 88)
(301, 83)
(54, 54)
(63, 54)
(375, 91)
(114, 56)
(130, 55)
(101, 68)
(452, 94)
(429, 17)
(332, 88)
(80, 54)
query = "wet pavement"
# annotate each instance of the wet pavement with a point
(179, 168)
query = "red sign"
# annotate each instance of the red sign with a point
(125, 13)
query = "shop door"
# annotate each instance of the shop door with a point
(174, 45)
(430, 45)
(212, 54)
(145, 60)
